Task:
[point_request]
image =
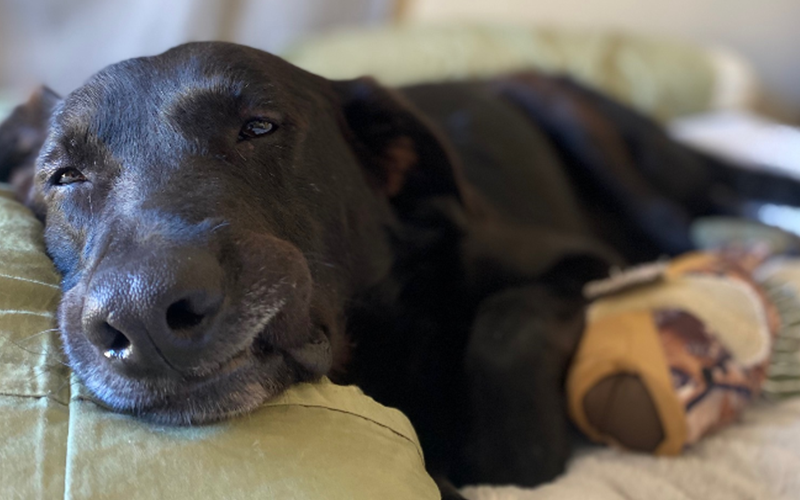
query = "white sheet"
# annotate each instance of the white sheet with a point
(757, 459)
(752, 140)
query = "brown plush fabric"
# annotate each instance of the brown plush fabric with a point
(619, 405)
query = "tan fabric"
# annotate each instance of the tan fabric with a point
(626, 343)
(316, 441)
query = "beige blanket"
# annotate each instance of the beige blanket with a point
(756, 459)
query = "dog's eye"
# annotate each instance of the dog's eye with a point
(256, 128)
(67, 176)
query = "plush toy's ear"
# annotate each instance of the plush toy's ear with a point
(403, 155)
(21, 136)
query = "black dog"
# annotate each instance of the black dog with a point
(227, 225)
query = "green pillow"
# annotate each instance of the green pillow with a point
(316, 441)
(662, 78)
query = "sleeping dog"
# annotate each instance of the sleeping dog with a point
(228, 225)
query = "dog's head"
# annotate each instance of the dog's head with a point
(212, 209)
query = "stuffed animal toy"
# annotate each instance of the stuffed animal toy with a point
(675, 350)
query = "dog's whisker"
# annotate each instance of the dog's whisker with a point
(46, 354)
(322, 263)
(28, 337)
(55, 392)
(220, 226)
(45, 369)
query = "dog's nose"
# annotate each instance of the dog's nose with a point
(155, 312)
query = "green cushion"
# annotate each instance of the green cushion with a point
(661, 78)
(316, 441)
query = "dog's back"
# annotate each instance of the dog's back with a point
(561, 184)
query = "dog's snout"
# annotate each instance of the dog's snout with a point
(156, 312)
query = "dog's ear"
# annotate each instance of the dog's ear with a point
(21, 136)
(402, 152)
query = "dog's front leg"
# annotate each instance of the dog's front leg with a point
(520, 347)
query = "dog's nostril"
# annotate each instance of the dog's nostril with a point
(181, 316)
(119, 346)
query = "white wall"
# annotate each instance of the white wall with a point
(767, 32)
(63, 42)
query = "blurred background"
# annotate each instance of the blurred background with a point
(62, 42)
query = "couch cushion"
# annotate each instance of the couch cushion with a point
(314, 441)
(662, 78)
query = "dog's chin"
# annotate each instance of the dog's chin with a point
(231, 391)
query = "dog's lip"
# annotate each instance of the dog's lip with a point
(248, 353)
(243, 359)
(226, 368)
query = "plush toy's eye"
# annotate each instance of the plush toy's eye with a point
(256, 128)
(66, 176)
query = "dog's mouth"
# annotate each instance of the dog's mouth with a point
(223, 369)
(311, 358)
(237, 385)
